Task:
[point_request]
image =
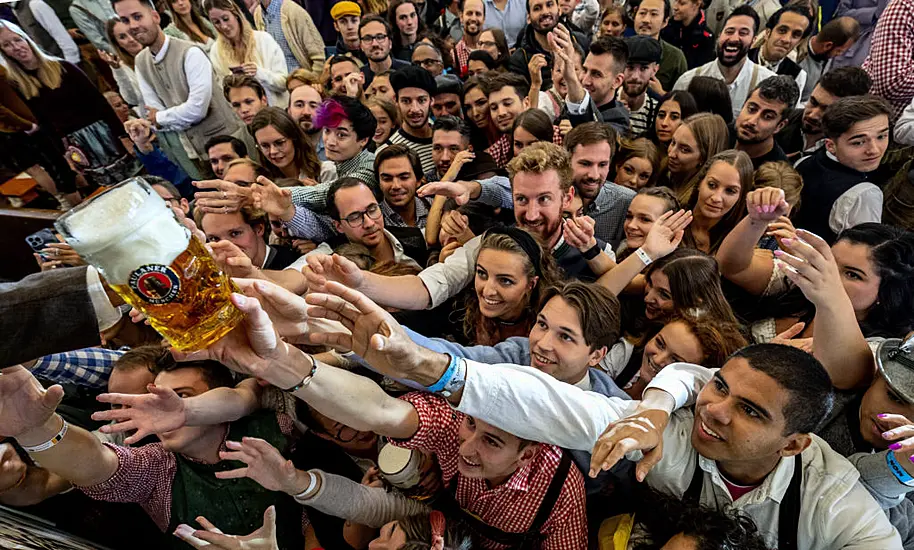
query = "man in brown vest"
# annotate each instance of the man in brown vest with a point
(177, 82)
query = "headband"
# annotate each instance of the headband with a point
(527, 243)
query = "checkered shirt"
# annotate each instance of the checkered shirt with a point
(512, 505)
(145, 475)
(890, 63)
(272, 21)
(392, 219)
(89, 367)
(462, 57)
(502, 150)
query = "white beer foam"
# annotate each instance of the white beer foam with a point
(126, 228)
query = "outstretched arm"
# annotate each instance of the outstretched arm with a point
(738, 258)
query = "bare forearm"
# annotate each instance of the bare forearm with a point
(602, 264)
(620, 276)
(404, 292)
(79, 457)
(736, 251)
(290, 279)
(840, 346)
(222, 405)
(433, 220)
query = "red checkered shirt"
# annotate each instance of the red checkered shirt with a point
(890, 63)
(502, 150)
(462, 58)
(145, 475)
(512, 505)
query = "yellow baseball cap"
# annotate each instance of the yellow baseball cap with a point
(345, 8)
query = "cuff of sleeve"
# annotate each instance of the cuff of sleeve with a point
(106, 314)
(578, 108)
(491, 195)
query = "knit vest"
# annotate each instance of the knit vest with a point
(168, 80)
(824, 181)
(34, 29)
(235, 506)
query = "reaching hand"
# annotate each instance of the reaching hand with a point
(374, 334)
(448, 250)
(112, 60)
(303, 246)
(140, 132)
(151, 113)
(460, 191)
(263, 463)
(272, 199)
(787, 338)
(322, 269)
(159, 411)
(457, 226)
(901, 432)
(535, 66)
(666, 233)
(224, 198)
(642, 431)
(766, 204)
(232, 260)
(213, 539)
(24, 404)
(781, 229)
(565, 127)
(287, 310)
(353, 83)
(812, 267)
(579, 233)
(12, 469)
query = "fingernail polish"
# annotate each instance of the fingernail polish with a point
(881, 415)
(911, 458)
(895, 446)
(778, 252)
(887, 434)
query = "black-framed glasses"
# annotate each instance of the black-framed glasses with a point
(425, 63)
(356, 219)
(368, 39)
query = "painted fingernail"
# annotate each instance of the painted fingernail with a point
(895, 446)
(881, 415)
(887, 434)
(911, 458)
(778, 252)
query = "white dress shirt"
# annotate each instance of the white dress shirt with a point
(46, 17)
(836, 510)
(749, 76)
(199, 74)
(904, 128)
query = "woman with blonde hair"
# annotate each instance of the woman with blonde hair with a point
(241, 49)
(698, 138)
(90, 136)
(188, 24)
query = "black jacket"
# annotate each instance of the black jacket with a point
(356, 53)
(696, 40)
(527, 47)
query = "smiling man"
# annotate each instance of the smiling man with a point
(472, 20)
(592, 97)
(733, 65)
(765, 114)
(840, 181)
(786, 28)
(543, 18)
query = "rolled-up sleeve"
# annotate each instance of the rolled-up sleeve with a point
(446, 279)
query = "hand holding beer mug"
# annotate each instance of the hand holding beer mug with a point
(134, 239)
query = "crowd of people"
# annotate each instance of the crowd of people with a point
(557, 274)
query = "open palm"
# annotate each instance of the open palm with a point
(159, 411)
(24, 404)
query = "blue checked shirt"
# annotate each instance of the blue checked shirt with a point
(89, 367)
(272, 20)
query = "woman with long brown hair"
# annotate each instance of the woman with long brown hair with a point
(718, 199)
(241, 49)
(284, 148)
(188, 24)
(697, 139)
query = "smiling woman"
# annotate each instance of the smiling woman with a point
(285, 149)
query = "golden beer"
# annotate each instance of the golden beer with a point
(135, 241)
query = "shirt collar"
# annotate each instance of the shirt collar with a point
(774, 486)
(584, 383)
(520, 479)
(161, 55)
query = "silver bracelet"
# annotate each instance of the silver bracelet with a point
(644, 257)
(51, 442)
(301, 496)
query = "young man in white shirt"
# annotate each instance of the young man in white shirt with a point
(733, 65)
(840, 180)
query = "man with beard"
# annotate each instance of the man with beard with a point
(472, 18)
(733, 65)
(448, 99)
(803, 134)
(643, 61)
(840, 180)
(592, 146)
(177, 82)
(541, 178)
(346, 18)
(303, 103)
(651, 17)
(764, 115)
(592, 98)
(450, 137)
(415, 88)
(786, 28)
(544, 17)
(374, 34)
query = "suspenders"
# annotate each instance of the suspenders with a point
(788, 513)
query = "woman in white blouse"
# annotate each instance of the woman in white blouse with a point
(241, 49)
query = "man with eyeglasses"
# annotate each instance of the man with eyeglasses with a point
(168, 192)
(429, 58)
(374, 37)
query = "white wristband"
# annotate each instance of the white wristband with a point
(301, 496)
(51, 442)
(644, 257)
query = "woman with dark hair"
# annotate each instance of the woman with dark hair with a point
(388, 117)
(123, 62)
(718, 198)
(283, 146)
(511, 269)
(712, 96)
(529, 127)
(479, 63)
(673, 108)
(483, 131)
(190, 25)
(493, 42)
(636, 165)
(876, 263)
(405, 26)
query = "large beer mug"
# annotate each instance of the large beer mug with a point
(148, 257)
